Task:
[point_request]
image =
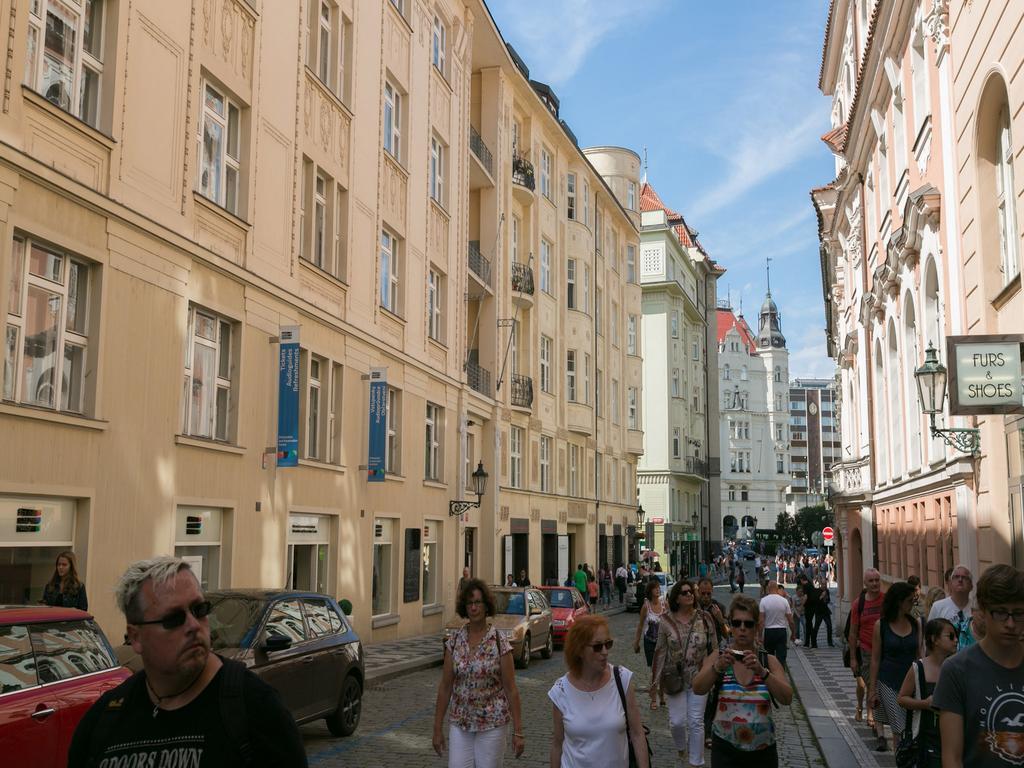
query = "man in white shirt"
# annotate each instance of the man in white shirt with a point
(621, 577)
(957, 607)
(776, 616)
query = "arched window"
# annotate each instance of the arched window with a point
(725, 372)
(894, 399)
(778, 373)
(1005, 195)
(919, 65)
(743, 373)
(911, 359)
(997, 216)
(881, 438)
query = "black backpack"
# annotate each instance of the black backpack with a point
(232, 712)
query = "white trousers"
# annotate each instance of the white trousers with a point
(686, 721)
(476, 749)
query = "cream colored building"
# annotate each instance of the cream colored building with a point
(180, 181)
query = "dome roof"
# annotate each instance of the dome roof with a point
(770, 329)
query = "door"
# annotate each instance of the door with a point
(506, 563)
(290, 671)
(469, 561)
(29, 725)
(563, 559)
(549, 560)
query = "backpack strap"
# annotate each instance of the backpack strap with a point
(622, 697)
(762, 659)
(232, 708)
(109, 716)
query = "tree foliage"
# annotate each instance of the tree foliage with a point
(811, 519)
(786, 531)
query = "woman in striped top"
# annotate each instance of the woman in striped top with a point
(746, 680)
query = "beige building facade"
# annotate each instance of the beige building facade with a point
(182, 181)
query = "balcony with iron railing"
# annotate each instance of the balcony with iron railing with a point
(479, 378)
(522, 285)
(523, 182)
(479, 264)
(484, 157)
(694, 466)
(522, 391)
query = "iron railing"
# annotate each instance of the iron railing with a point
(522, 391)
(483, 154)
(479, 379)
(522, 278)
(479, 263)
(522, 172)
(695, 466)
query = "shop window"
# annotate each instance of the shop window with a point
(383, 566)
(198, 541)
(431, 563)
(33, 531)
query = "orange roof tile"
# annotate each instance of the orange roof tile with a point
(836, 138)
(726, 321)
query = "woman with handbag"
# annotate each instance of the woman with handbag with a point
(479, 681)
(596, 719)
(895, 644)
(920, 746)
(686, 636)
(650, 616)
(746, 682)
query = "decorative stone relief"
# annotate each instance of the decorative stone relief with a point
(229, 34)
(937, 25)
(9, 71)
(324, 123)
(394, 192)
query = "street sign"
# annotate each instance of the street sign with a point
(827, 534)
(985, 374)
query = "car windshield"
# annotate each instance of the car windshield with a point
(511, 602)
(232, 618)
(560, 598)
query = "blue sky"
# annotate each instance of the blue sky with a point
(725, 98)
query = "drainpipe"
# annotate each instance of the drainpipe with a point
(593, 410)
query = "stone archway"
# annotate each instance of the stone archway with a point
(729, 527)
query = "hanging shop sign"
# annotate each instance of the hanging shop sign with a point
(378, 424)
(288, 398)
(985, 374)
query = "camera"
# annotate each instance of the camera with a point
(738, 654)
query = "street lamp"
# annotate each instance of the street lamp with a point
(479, 486)
(931, 394)
(640, 516)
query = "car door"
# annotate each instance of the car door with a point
(539, 618)
(327, 651)
(290, 671)
(29, 725)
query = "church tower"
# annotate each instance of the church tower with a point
(771, 346)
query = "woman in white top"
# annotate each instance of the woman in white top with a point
(650, 616)
(590, 722)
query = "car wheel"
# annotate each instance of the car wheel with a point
(524, 658)
(549, 648)
(344, 720)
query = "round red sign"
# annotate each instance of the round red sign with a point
(827, 533)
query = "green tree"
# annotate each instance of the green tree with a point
(811, 519)
(786, 530)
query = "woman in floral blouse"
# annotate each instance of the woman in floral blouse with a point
(479, 682)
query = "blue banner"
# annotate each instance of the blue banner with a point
(288, 398)
(378, 425)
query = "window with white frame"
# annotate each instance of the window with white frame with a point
(586, 202)
(323, 212)
(545, 464)
(631, 195)
(546, 351)
(393, 121)
(675, 324)
(545, 266)
(570, 375)
(615, 402)
(335, 403)
(675, 383)
(570, 196)
(390, 272)
(899, 133)
(439, 47)
(732, 493)
(919, 67)
(630, 263)
(209, 376)
(743, 373)
(515, 453)
(586, 378)
(431, 562)
(695, 349)
(64, 55)
(545, 172)
(220, 138)
(1005, 200)
(780, 463)
(435, 305)
(632, 412)
(574, 470)
(328, 45)
(383, 566)
(393, 417)
(676, 440)
(631, 335)
(514, 238)
(585, 303)
(570, 283)
(433, 446)
(438, 153)
(316, 371)
(46, 338)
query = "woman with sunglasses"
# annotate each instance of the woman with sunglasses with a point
(745, 681)
(940, 639)
(594, 710)
(897, 641)
(479, 683)
(686, 635)
(650, 615)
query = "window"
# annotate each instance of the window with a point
(545, 172)
(899, 131)
(393, 416)
(676, 440)
(219, 149)
(744, 495)
(315, 421)
(675, 382)
(743, 373)
(433, 448)
(545, 266)
(515, 441)
(209, 371)
(545, 464)
(586, 203)
(695, 350)
(598, 304)
(323, 213)
(732, 493)
(435, 305)
(399, 6)
(65, 650)
(197, 536)
(328, 43)
(779, 433)
(1005, 200)
(570, 283)
(631, 335)
(631, 195)
(392, 121)
(64, 55)
(585, 306)
(586, 378)
(780, 463)
(514, 239)
(383, 566)
(778, 373)
(574, 470)
(431, 563)
(919, 59)
(437, 166)
(615, 401)
(570, 375)
(390, 272)
(613, 324)
(546, 346)
(632, 417)
(439, 47)
(630, 263)
(675, 324)
(570, 196)
(46, 339)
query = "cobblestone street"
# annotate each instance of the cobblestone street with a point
(398, 717)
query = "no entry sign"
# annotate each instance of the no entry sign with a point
(828, 534)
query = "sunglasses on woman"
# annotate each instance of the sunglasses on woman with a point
(175, 619)
(748, 623)
(599, 645)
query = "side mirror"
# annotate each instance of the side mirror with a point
(275, 643)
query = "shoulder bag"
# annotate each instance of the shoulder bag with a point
(909, 748)
(625, 711)
(673, 676)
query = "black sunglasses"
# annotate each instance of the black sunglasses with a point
(175, 619)
(737, 623)
(598, 646)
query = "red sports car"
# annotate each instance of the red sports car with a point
(567, 604)
(54, 663)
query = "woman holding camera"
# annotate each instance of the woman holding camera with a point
(747, 683)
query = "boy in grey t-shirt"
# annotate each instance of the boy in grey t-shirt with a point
(980, 693)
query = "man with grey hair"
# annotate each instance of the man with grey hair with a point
(864, 614)
(187, 706)
(957, 607)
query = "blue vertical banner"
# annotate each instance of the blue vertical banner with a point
(288, 398)
(378, 425)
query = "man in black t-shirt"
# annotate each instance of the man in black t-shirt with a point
(187, 706)
(812, 605)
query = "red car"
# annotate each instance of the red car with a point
(54, 664)
(567, 604)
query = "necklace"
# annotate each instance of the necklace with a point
(160, 699)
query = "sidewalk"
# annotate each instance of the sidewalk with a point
(388, 660)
